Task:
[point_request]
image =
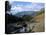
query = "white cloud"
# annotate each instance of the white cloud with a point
(30, 7)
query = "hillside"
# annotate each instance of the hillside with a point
(36, 24)
(39, 26)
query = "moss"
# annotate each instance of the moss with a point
(30, 30)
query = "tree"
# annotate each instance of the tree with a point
(7, 6)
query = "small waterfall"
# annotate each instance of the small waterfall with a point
(22, 29)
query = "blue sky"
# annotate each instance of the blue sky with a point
(18, 6)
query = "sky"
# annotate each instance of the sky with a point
(17, 6)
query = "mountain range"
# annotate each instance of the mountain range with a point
(30, 13)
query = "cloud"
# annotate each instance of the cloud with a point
(25, 6)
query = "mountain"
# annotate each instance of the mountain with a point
(30, 13)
